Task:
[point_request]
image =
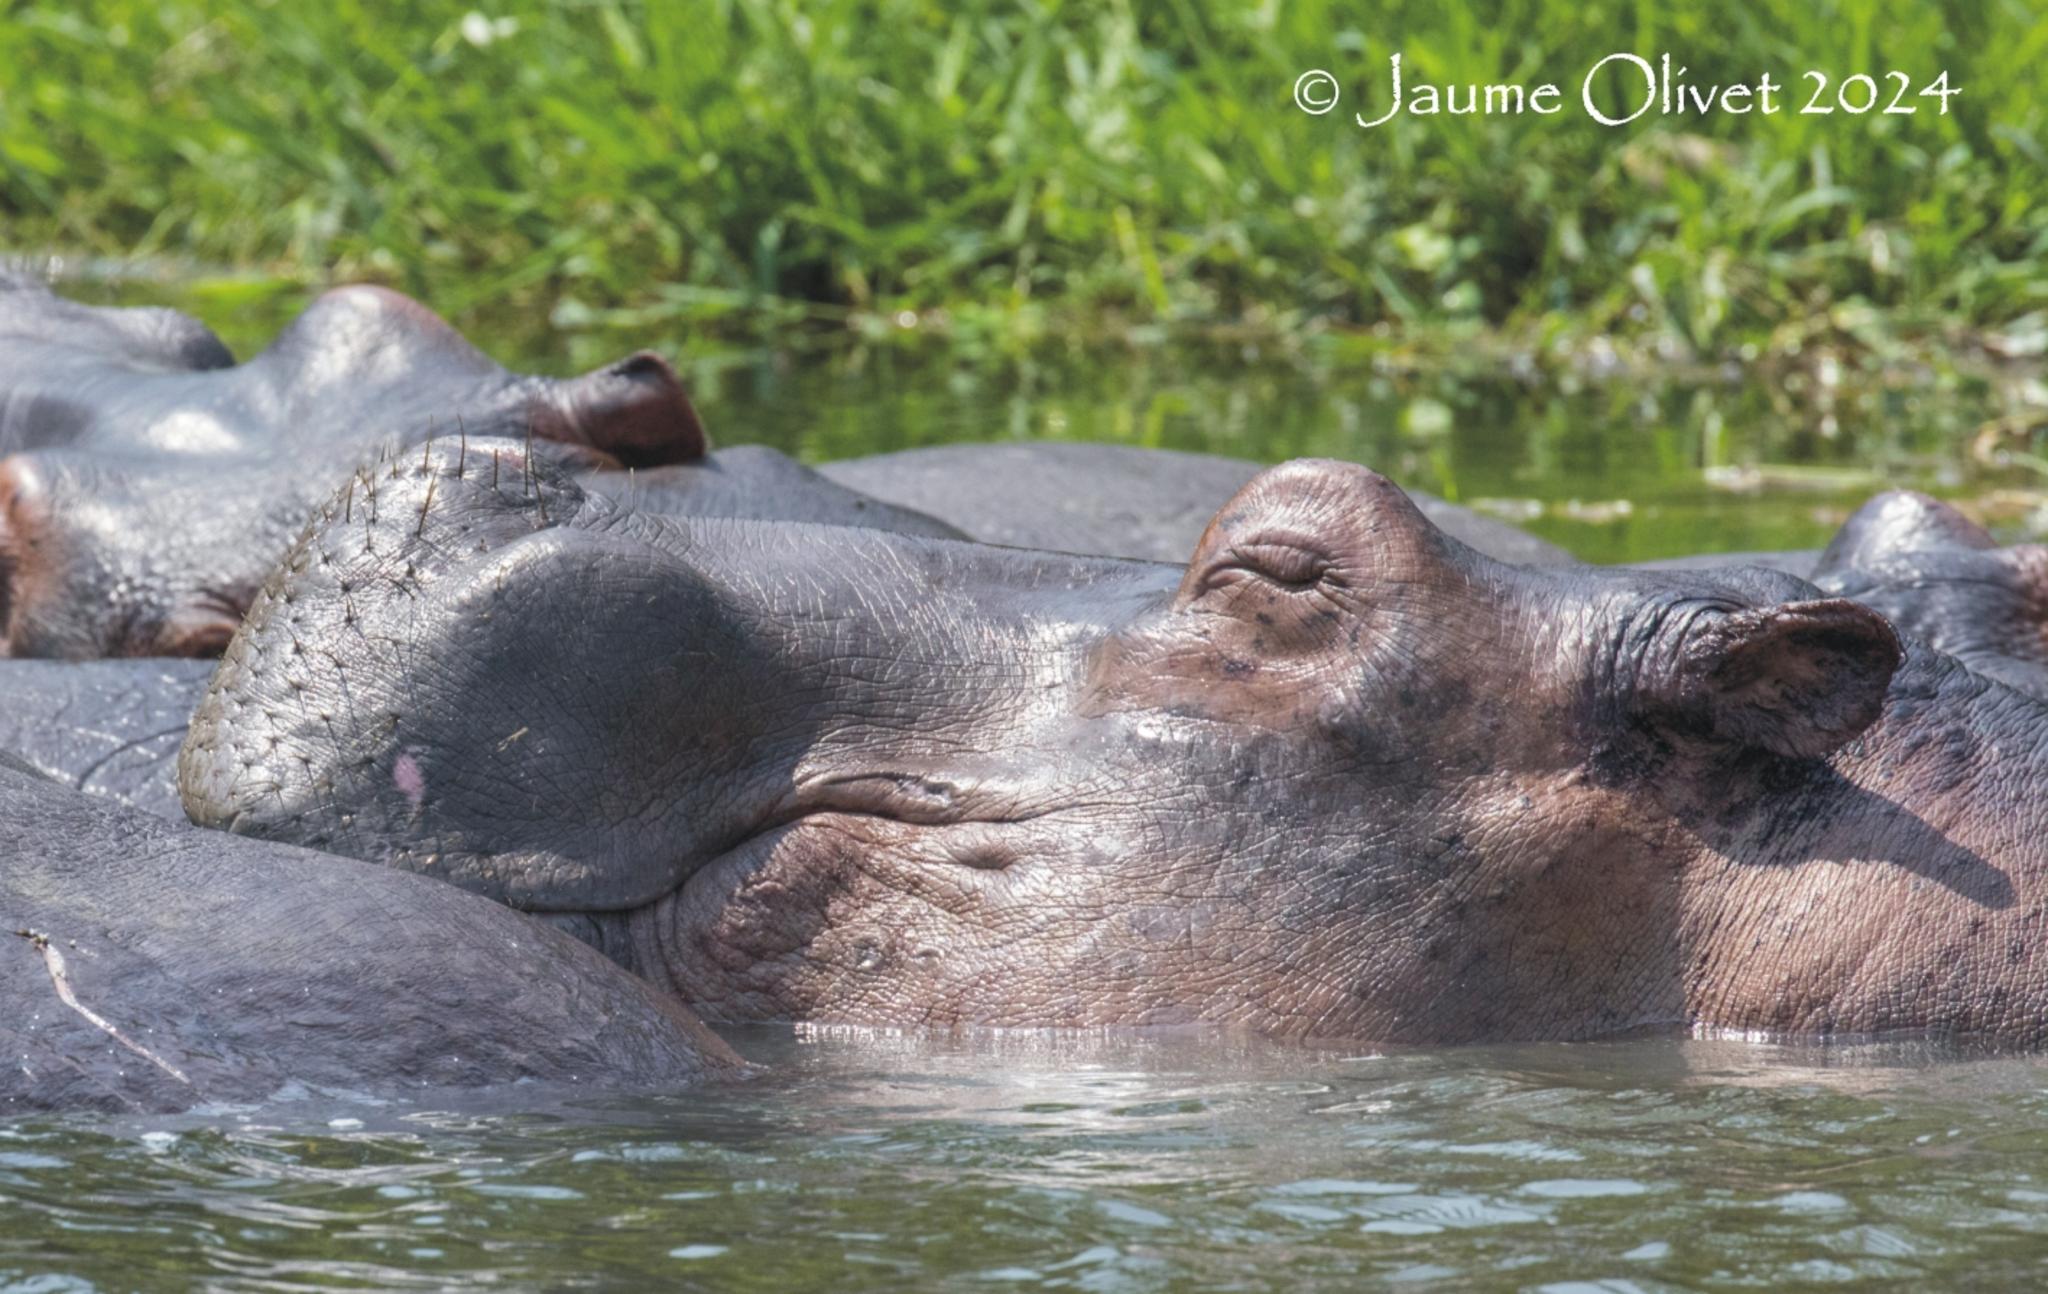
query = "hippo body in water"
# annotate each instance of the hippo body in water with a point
(111, 728)
(1942, 578)
(1338, 775)
(1112, 500)
(150, 482)
(148, 966)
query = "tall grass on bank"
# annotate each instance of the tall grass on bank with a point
(1035, 168)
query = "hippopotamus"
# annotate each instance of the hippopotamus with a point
(1941, 578)
(149, 481)
(1112, 500)
(1338, 774)
(148, 966)
(108, 727)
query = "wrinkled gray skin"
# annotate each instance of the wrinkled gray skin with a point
(1339, 775)
(150, 482)
(148, 966)
(110, 728)
(1113, 500)
(113, 727)
(753, 481)
(1942, 578)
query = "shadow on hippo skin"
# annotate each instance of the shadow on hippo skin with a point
(1905, 841)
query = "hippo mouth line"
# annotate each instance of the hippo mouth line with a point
(895, 809)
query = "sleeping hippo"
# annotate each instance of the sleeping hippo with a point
(150, 966)
(1942, 578)
(150, 482)
(1339, 774)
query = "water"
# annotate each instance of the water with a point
(1655, 466)
(1123, 1163)
(1020, 1161)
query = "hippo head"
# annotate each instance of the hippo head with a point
(1338, 775)
(100, 559)
(154, 483)
(1942, 578)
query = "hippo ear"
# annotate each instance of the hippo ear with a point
(1798, 679)
(634, 410)
(1900, 521)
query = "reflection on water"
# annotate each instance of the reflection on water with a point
(1095, 1162)
(1613, 470)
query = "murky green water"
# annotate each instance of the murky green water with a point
(1614, 470)
(1060, 1162)
(873, 1161)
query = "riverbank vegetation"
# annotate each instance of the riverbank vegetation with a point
(1010, 172)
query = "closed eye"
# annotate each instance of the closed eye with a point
(1291, 566)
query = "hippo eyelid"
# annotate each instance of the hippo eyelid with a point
(1278, 559)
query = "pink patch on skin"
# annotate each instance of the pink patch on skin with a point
(410, 781)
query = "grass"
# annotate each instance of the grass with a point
(1013, 172)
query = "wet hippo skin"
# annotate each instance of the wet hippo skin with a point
(151, 966)
(110, 728)
(1942, 578)
(1337, 774)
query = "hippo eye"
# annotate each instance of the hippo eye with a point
(1291, 565)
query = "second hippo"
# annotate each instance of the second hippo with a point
(1943, 579)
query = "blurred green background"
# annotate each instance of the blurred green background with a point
(1015, 190)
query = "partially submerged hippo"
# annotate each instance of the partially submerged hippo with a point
(147, 966)
(108, 727)
(1942, 578)
(151, 482)
(1115, 500)
(1338, 775)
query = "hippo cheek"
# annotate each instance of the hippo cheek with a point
(851, 919)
